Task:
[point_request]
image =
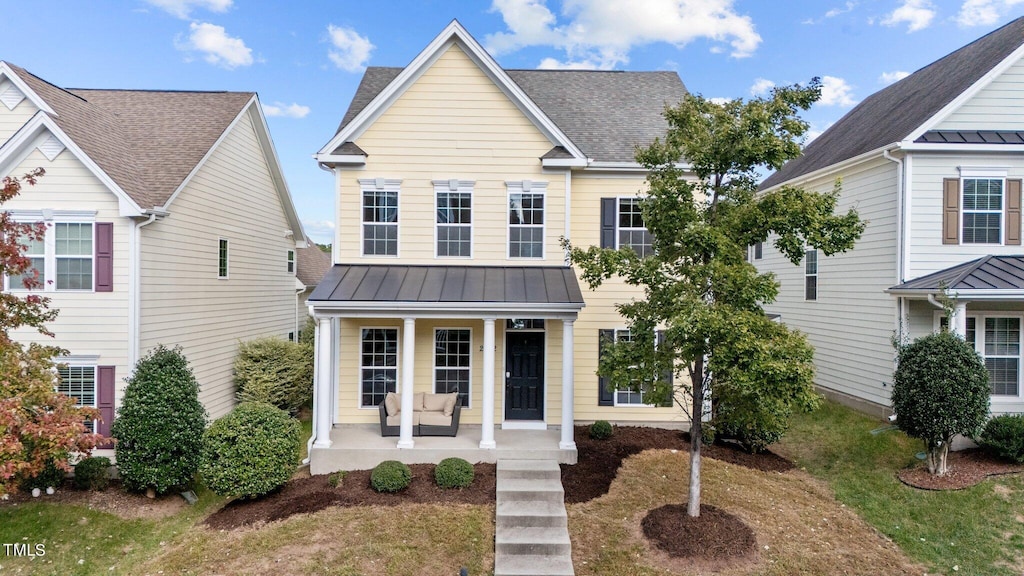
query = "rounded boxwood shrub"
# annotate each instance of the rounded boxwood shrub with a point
(390, 476)
(159, 426)
(601, 430)
(1003, 436)
(250, 451)
(453, 473)
(91, 473)
(275, 371)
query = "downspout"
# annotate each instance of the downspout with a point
(135, 290)
(901, 210)
(568, 209)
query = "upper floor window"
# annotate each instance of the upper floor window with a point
(526, 219)
(291, 261)
(380, 217)
(632, 232)
(222, 258)
(982, 210)
(983, 206)
(811, 274)
(454, 201)
(758, 250)
(64, 258)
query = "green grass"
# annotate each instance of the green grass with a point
(979, 530)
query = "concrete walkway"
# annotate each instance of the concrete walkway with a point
(531, 536)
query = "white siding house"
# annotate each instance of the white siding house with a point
(933, 163)
(136, 208)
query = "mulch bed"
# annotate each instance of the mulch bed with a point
(314, 493)
(966, 468)
(715, 536)
(113, 500)
(599, 460)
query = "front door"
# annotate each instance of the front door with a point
(524, 375)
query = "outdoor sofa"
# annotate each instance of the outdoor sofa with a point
(433, 414)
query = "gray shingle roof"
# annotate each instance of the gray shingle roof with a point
(449, 284)
(986, 273)
(311, 265)
(891, 114)
(605, 113)
(147, 141)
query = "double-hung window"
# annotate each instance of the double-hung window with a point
(1000, 347)
(378, 365)
(811, 274)
(35, 250)
(631, 230)
(380, 217)
(65, 258)
(222, 258)
(526, 219)
(627, 395)
(454, 200)
(982, 210)
(290, 256)
(79, 382)
(452, 347)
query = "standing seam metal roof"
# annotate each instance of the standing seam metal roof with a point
(985, 273)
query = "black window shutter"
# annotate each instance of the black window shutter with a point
(667, 376)
(605, 395)
(608, 214)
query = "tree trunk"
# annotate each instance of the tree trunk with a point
(696, 438)
(937, 454)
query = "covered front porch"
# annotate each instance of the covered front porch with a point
(415, 330)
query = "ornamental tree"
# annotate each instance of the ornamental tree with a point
(39, 428)
(940, 389)
(699, 287)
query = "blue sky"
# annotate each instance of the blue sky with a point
(305, 58)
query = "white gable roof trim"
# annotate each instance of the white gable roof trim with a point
(26, 92)
(39, 132)
(453, 34)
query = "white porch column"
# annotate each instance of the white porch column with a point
(408, 358)
(324, 382)
(567, 442)
(487, 407)
(959, 326)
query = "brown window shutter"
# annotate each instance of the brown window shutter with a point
(104, 257)
(105, 400)
(605, 395)
(951, 211)
(608, 215)
(1013, 212)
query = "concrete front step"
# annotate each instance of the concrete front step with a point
(532, 565)
(511, 469)
(546, 489)
(530, 513)
(533, 540)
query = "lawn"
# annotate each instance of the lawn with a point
(979, 530)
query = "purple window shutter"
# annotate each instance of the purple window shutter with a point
(105, 400)
(104, 257)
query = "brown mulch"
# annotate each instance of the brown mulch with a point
(715, 536)
(314, 493)
(599, 460)
(966, 468)
(113, 500)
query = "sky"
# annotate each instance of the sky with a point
(305, 58)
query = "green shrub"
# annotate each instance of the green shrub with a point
(940, 389)
(601, 430)
(307, 336)
(275, 371)
(453, 473)
(1003, 436)
(50, 476)
(250, 451)
(336, 478)
(159, 426)
(390, 476)
(91, 473)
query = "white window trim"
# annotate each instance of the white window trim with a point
(618, 204)
(459, 186)
(978, 174)
(359, 364)
(469, 396)
(525, 187)
(227, 258)
(816, 275)
(290, 261)
(615, 391)
(979, 346)
(51, 218)
(379, 185)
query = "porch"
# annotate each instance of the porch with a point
(361, 447)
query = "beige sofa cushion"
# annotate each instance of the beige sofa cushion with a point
(396, 420)
(449, 403)
(392, 404)
(434, 402)
(434, 419)
(417, 401)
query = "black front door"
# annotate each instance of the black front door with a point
(524, 378)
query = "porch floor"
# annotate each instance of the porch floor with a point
(361, 447)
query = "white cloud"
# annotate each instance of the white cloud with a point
(983, 12)
(761, 87)
(292, 110)
(219, 48)
(720, 100)
(351, 51)
(600, 34)
(182, 8)
(848, 7)
(894, 76)
(321, 231)
(836, 92)
(917, 14)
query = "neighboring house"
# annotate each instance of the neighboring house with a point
(168, 222)
(310, 265)
(933, 164)
(455, 181)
